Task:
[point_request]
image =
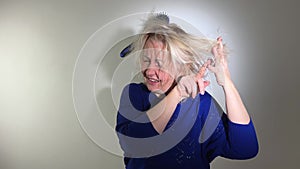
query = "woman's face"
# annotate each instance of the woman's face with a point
(156, 67)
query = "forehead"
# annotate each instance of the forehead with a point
(153, 43)
(154, 47)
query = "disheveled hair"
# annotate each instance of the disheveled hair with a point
(187, 52)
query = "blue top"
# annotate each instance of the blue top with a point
(197, 132)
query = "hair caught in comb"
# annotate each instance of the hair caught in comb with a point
(162, 17)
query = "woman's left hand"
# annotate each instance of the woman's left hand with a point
(202, 84)
(220, 67)
(191, 85)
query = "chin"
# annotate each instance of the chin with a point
(154, 89)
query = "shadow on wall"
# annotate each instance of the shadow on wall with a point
(103, 82)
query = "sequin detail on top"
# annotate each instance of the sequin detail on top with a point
(186, 150)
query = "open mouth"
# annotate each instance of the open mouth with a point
(153, 80)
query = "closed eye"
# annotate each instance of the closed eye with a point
(146, 58)
(158, 62)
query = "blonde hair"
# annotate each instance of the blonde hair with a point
(187, 52)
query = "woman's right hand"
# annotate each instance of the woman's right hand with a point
(191, 85)
(220, 68)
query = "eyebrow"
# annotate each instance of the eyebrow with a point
(158, 59)
(145, 56)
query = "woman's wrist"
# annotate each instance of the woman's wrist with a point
(228, 83)
(176, 94)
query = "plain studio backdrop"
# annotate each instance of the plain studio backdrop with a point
(40, 42)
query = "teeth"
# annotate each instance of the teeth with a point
(153, 80)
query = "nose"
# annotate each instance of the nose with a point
(150, 72)
(151, 69)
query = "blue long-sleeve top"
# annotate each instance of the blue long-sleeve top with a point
(197, 132)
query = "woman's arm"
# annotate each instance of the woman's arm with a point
(187, 86)
(236, 110)
(238, 139)
(161, 113)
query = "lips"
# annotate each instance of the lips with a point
(151, 78)
(152, 81)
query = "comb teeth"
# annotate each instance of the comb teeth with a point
(163, 16)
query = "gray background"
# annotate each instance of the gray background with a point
(39, 44)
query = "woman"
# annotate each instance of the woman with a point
(169, 121)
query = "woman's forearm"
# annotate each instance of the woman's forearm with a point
(236, 110)
(161, 113)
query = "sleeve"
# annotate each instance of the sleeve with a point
(132, 120)
(229, 139)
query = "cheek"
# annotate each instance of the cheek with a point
(166, 78)
(143, 66)
(169, 72)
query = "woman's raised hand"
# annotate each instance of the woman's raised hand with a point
(220, 67)
(191, 85)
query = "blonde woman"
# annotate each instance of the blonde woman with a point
(168, 120)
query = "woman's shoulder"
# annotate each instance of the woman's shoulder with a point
(135, 91)
(136, 87)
